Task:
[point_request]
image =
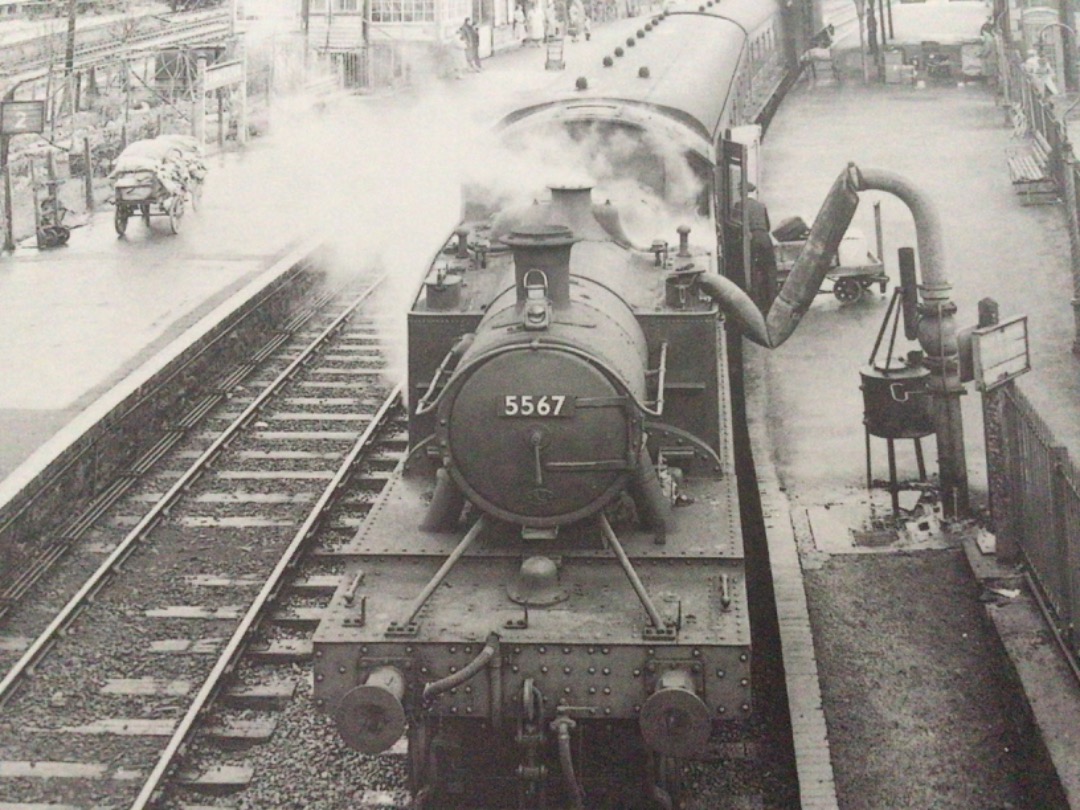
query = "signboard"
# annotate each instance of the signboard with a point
(1000, 352)
(19, 117)
(223, 75)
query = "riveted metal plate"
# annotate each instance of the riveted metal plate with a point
(601, 681)
(707, 528)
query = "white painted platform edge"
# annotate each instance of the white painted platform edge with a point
(41, 458)
(813, 759)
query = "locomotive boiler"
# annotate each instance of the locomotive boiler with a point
(551, 590)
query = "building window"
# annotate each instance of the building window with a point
(401, 10)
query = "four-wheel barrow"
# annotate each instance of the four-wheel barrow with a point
(855, 268)
(152, 178)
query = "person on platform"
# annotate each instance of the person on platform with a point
(536, 23)
(472, 39)
(520, 33)
(576, 13)
(459, 53)
(762, 252)
(1041, 73)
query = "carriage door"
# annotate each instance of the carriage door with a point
(733, 231)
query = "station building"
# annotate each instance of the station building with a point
(383, 42)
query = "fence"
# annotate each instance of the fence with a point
(1034, 485)
(1035, 501)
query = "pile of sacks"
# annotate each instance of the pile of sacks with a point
(175, 160)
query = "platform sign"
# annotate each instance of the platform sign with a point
(20, 117)
(1000, 352)
(223, 74)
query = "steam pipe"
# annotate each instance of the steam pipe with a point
(655, 509)
(491, 648)
(446, 504)
(562, 726)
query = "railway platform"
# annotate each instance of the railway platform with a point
(87, 321)
(899, 620)
(886, 639)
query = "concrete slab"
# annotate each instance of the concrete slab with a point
(1052, 692)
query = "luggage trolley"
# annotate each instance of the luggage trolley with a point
(159, 177)
(855, 268)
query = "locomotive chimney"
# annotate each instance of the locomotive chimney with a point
(573, 207)
(543, 248)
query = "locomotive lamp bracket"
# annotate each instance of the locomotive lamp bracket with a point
(357, 621)
(518, 624)
(536, 314)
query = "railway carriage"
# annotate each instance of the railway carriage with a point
(552, 587)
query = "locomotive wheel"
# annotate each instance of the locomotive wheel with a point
(121, 220)
(176, 213)
(847, 290)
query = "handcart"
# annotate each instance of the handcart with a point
(855, 268)
(152, 178)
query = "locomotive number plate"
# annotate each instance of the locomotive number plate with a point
(529, 405)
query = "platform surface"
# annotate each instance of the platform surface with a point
(80, 319)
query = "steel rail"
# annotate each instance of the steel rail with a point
(75, 605)
(74, 527)
(227, 660)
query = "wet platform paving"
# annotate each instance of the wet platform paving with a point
(931, 675)
(82, 321)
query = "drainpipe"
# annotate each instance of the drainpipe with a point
(937, 336)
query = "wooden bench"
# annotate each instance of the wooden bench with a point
(1029, 171)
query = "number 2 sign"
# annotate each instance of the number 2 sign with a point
(19, 117)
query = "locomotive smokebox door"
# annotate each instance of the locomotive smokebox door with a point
(532, 452)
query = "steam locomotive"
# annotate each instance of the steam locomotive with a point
(555, 576)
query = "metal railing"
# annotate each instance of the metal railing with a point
(1035, 485)
(1040, 513)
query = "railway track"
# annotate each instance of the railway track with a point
(181, 675)
(102, 703)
